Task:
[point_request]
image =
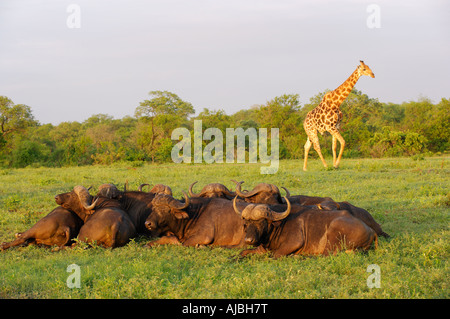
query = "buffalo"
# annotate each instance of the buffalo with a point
(157, 189)
(197, 221)
(105, 222)
(303, 231)
(136, 204)
(357, 212)
(58, 228)
(213, 190)
(261, 193)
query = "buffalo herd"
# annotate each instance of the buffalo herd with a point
(261, 217)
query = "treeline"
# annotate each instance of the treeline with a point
(370, 128)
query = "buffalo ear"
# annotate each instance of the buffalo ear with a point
(181, 214)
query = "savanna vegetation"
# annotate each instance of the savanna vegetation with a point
(395, 166)
(370, 128)
(408, 197)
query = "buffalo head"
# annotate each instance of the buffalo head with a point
(165, 211)
(109, 191)
(157, 189)
(261, 193)
(258, 218)
(78, 200)
(212, 190)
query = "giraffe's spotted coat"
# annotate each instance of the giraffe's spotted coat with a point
(327, 116)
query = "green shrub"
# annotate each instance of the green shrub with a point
(390, 143)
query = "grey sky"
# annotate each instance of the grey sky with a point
(216, 54)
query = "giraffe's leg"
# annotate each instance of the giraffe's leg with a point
(333, 148)
(307, 147)
(338, 136)
(314, 140)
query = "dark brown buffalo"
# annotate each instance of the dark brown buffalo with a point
(306, 231)
(157, 189)
(365, 216)
(306, 200)
(270, 194)
(311, 200)
(261, 193)
(212, 190)
(137, 204)
(328, 203)
(197, 221)
(105, 223)
(58, 228)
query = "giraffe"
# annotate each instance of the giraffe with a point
(327, 116)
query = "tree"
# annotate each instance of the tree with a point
(361, 115)
(217, 119)
(165, 110)
(13, 118)
(245, 118)
(438, 132)
(423, 109)
(391, 114)
(96, 119)
(282, 112)
(394, 143)
(164, 102)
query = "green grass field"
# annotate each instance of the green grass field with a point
(409, 198)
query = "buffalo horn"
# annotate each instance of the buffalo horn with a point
(84, 197)
(288, 194)
(191, 193)
(275, 216)
(240, 193)
(141, 186)
(178, 204)
(252, 211)
(235, 207)
(229, 193)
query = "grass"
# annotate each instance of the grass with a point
(409, 198)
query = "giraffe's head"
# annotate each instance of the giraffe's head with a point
(365, 70)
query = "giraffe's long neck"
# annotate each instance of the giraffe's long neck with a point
(336, 97)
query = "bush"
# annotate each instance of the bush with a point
(163, 152)
(391, 143)
(27, 153)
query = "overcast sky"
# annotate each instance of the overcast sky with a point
(216, 54)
